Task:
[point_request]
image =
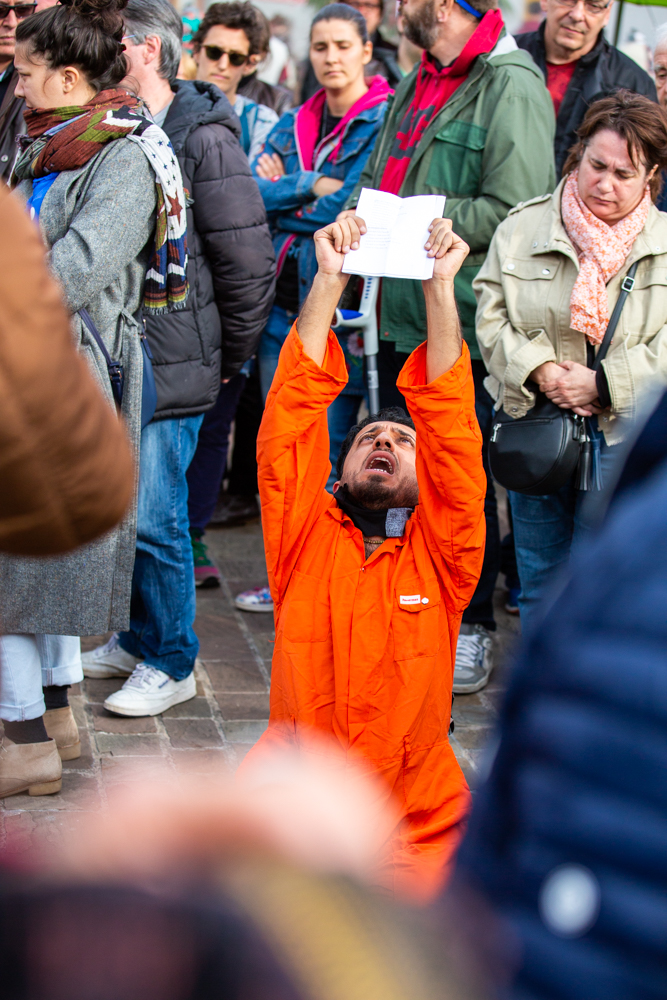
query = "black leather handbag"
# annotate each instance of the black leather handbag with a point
(539, 453)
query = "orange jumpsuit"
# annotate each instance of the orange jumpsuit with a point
(365, 648)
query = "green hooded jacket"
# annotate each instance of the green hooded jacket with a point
(489, 148)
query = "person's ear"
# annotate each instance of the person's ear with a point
(368, 53)
(253, 62)
(544, 5)
(336, 486)
(152, 49)
(608, 13)
(651, 174)
(69, 76)
(443, 10)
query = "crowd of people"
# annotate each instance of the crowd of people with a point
(195, 226)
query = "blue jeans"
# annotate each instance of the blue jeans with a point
(30, 662)
(546, 529)
(162, 611)
(210, 460)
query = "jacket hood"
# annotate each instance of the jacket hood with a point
(197, 103)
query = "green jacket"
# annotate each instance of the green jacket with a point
(489, 148)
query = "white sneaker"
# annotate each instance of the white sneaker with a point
(150, 691)
(108, 660)
(473, 667)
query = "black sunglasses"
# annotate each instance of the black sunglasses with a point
(20, 9)
(215, 53)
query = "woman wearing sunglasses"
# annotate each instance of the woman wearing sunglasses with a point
(227, 46)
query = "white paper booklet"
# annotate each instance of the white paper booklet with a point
(397, 229)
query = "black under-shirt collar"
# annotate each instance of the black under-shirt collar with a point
(388, 522)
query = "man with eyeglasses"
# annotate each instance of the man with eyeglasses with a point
(579, 64)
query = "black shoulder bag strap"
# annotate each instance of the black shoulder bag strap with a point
(627, 285)
(115, 369)
(589, 474)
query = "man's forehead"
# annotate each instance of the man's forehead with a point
(391, 426)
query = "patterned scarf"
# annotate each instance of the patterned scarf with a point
(110, 115)
(602, 251)
(435, 85)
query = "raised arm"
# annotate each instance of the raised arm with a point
(293, 441)
(437, 383)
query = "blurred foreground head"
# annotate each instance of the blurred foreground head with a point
(189, 888)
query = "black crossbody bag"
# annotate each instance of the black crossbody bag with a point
(117, 372)
(539, 453)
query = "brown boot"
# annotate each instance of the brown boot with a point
(34, 768)
(61, 727)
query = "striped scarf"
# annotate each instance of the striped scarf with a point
(109, 116)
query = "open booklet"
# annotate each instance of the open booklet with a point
(397, 229)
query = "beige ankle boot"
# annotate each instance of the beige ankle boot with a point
(34, 768)
(61, 727)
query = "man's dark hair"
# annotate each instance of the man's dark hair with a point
(238, 14)
(394, 414)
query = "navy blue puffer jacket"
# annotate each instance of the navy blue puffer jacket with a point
(568, 837)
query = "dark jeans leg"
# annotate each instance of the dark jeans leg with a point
(480, 609)
(390, 362)
(508, 565)
(243, 473)
(208, 466)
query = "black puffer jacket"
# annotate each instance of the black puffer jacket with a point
(602, 71)
(231, 266)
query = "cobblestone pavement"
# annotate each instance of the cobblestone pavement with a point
(218, 727)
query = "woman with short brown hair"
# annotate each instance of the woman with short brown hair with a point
(545, 294)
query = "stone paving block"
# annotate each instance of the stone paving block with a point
(184, 733)
(240, 751)
(97, 691)
(469, 712)
(107, 722)
(123, 770)
(242, 677)
(79, 791)
(196, 708)
(473, 737)
(244, 730)
(45, 831)
(208, 762)
(244, 706)
(86, 761)
(128, 745)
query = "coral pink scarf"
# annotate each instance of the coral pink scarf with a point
(602, 251)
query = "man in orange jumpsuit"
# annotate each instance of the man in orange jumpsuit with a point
(370, 584)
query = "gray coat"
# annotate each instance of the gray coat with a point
(98, 222)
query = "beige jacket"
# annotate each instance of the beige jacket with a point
(523, 311)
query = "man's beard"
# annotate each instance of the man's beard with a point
(421, 26)
(376, 494)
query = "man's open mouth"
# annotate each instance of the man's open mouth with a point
(384, 464)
